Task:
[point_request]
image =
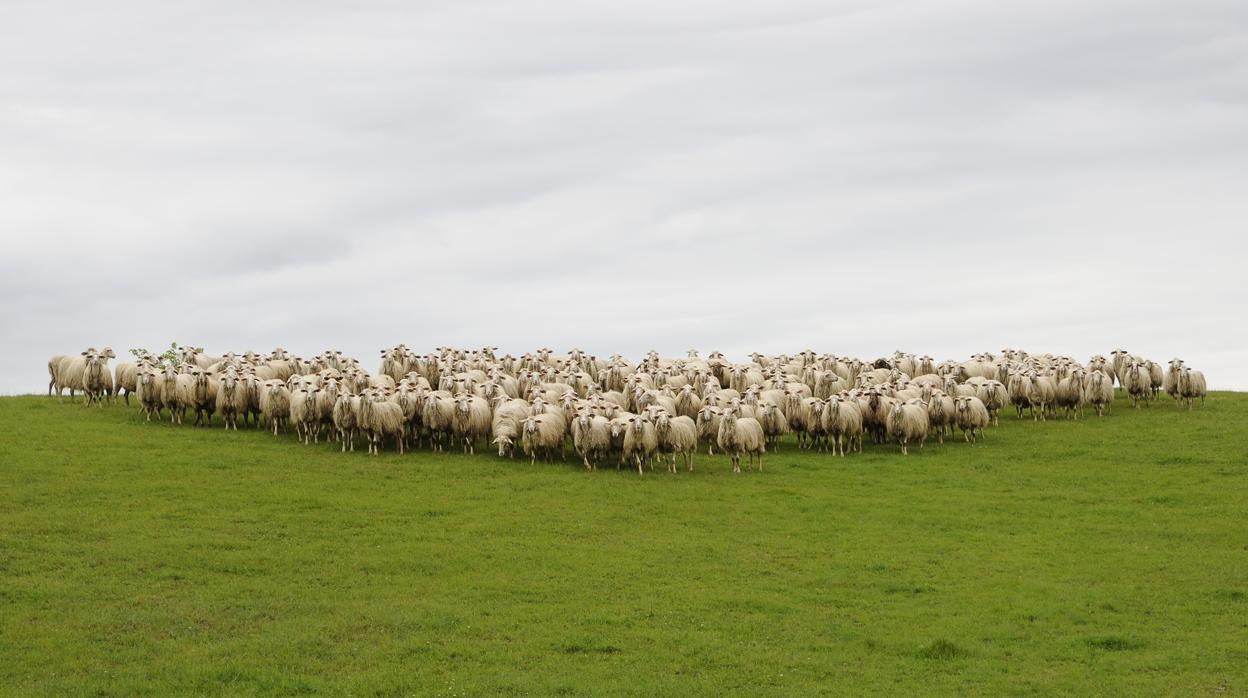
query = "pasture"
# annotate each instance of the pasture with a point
(1105, 556)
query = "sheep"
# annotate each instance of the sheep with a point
(231, 399)
(68, 372)
(97, 381)
(545, 432)
(1098, 391)
(437, 415)
(275, 403)
(875, 414)
(1138, 382)
(326, 398)
(995, 397)
(509, 414)
(640, 441)
(1044, 394)
(252, 388)
(971, 416)
(591, 437)
(1070, 393)
(774, 422)
(148, 390)
(677, 435)
(125, 378)
(739, 435)
(471, 420)
(688, 402)
(53, 366)
(379, 418)
(1155, 377)
(304, 415)
(1020, 392)
(908, 422)
(1170, 383)
(346, 411)
(707, 424)
(842, 420)
(1192, 386)
(940, 414)
(203, 395)
(171, 396)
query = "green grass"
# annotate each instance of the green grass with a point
(1101, 557)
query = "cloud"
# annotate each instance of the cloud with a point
(850, 177)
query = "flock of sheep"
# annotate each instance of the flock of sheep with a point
(613, 410)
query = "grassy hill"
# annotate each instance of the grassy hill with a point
(1102, 556)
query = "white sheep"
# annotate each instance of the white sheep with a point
(379, 418)
(509, 415)
(148, 390)
(971, 417)
(1070, 393)
(908, 422)
(739, 435)
(640, 441)
(231, 399)
(437, 416)
(1191, 386)
(842, 420)
(940, 414)
(304, 415)
(274, 403)
(545, 432)
(471, 420)
(126, 378)
(677, 435)
(1020, 392)
(346, 418)
(203, 395)
(1138, 382)
(97, 380)
(1098, 391)
(591, 437)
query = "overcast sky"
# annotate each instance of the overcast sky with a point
(854, 177)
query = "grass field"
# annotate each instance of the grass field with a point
(1101, 557)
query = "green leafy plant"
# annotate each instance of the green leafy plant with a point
(169, 357)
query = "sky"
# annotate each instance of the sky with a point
(850, 177)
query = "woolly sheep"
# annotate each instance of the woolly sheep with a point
(940, 414)
(842, 420)
(1191, 386)
(1098, 391)
(707, 425)
(97, 380)
(971, 416)
(231, 399)
(379, 418)
(304, 415)
(591, 437)
(907, 422)
(125, 378)
(275, 403)
(741, 435)
(677, 435)
(545, 432)
(471, 420)
(1138, 382)
(346, 420)
(640, 441)
(437, 415)
(1070, 393)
